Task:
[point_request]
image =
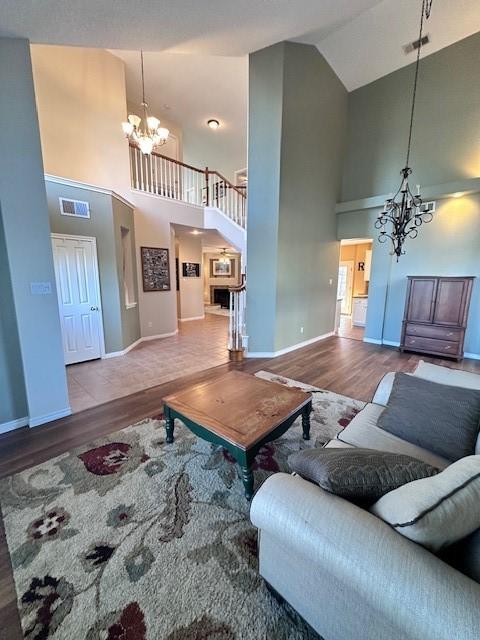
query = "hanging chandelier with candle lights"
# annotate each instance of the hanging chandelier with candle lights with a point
(404, 212)
(146, 133)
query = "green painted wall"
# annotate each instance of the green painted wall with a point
(130, 318)
(13, 402)
(447, 124)
(121, 326)
(446, 150)
(297, 121)
(24, 213)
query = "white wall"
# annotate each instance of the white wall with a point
(81, 100)
(191, 289)
(158, 309)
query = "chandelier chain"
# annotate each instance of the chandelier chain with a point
(426, 10)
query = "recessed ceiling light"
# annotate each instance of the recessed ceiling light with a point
(196, 232)
(213, 124)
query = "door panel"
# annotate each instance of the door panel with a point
(421, 301)
(450, 304)
(76, 276)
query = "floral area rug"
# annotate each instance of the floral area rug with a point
(130, 538)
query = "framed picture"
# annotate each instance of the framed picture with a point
(155, 269)
(222, 268)
(190, 269)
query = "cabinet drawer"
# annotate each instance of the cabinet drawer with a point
(438, 333)
(430, 344)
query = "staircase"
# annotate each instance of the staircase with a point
(169, 178)
(224, 209)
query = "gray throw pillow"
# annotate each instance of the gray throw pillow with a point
(437, 417)
(359, 475)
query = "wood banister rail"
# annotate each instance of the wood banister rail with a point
(228, 183)
(160, 175)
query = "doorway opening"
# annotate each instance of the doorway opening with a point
(353, 282)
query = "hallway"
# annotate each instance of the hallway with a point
(199, 345)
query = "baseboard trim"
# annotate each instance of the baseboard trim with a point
(192, 318)
(115, 354)
(281, 352)
(472, 356)
(49, 417)
(11, 425)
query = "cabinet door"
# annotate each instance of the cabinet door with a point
(421, 299)
(452, 296)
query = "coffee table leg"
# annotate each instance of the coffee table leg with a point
(169, 425)
(247, 477)
(306, 421)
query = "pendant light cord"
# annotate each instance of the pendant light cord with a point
(143, 78)
(426, 10)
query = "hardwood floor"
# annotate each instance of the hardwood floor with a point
(344, 366)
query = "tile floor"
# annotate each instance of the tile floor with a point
(199, 345)
(347, 330)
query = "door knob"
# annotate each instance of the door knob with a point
(93, 308)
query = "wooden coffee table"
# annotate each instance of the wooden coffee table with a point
(241, 413)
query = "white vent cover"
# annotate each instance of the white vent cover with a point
(428, 207)
(76, 208)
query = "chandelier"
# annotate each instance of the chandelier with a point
(404, 211)
(146, 134)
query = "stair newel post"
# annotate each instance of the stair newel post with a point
(207, 188)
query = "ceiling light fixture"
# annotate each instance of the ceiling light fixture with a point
(223, 256)
(213, 124)
(149, 134)
(404, 210)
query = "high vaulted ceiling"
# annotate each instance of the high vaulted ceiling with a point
(361, 39)
(219, 27)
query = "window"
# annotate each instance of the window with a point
(127, 268)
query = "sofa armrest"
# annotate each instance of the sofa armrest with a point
(398, 578)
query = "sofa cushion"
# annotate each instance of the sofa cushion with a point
(445, 375)
(442, 418)
(364, 432)
(359, 475)
(436, 511)
(464, 555)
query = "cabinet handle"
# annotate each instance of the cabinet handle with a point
(450, 333)
(448, 347)
(412, 341)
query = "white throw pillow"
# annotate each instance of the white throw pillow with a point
(445, 375)
(436, 511)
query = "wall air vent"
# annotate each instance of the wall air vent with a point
(428, 207)
(413, 46)
(75, 208)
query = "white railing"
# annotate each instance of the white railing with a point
(163, 176)
(236, 325)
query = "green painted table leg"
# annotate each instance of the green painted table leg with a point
(169, 425)
(247, 477)
(306, 421)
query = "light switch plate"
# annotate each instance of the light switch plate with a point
(40, 288)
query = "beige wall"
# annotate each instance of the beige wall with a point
(356, 253)
(227, 282)
(81, 103)
(191, 289)
(158, 309)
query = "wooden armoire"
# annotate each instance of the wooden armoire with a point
(436, 312)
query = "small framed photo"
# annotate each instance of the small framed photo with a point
(190, 269)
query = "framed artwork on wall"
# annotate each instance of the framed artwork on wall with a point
(190, 269)
(155, 269)
(222, 268)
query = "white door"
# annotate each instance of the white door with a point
(345, 286)
(76, 274)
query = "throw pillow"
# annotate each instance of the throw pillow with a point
(359, 475)
(436, 511)
(438, 417)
